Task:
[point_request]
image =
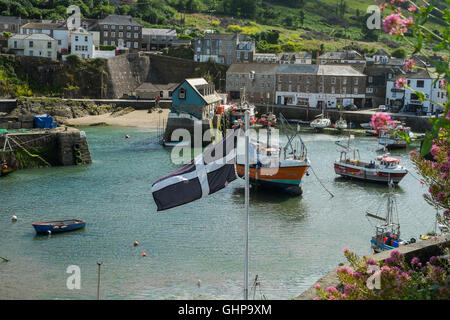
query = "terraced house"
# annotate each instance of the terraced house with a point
(320, 86)
(224, 48)
(55, 30)
(121, 31)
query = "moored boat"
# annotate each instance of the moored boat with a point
(387, 235)
(341, 124)
(320, 123)
(59, 225)
(383, 169)
(276, 167)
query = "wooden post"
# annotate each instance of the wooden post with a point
(98, 280)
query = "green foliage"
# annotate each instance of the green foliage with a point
(399, 53)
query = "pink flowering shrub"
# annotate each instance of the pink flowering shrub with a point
(436, 174)
(381, 120)
(398, 279)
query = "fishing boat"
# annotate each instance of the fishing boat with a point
(383, 169)
(387, 234)
(58, 226)
(320, 123)
(277, 167)
(390, 140)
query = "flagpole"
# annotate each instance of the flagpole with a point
(247, 189)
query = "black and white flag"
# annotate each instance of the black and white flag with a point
(207, 173)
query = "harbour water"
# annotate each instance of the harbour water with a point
(293, 241)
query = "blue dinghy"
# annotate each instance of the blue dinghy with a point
(58, 226)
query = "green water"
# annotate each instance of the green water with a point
(293, 240)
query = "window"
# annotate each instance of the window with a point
(182, 93)
(120, 34)
(136, 28)
(113, 43)
(86, 38)
(128, 27)
(105, 34)
(113, 27)
(355, 81)
(333, 80)
(120, 27)
(420, 83)
(105, 42)
(31, 45)
(333, 90)
(128, 34)
(369, 90)
(105, 27)
(344, 90)
(49, 54)
(15, 44)
(345, 80)
(136, 45)
(355, 90)
(49, 45)
(136, 35)
(128, 44)
(246, 55)
(113, 34)
(30, 53)
(59, 42)
(370, 79)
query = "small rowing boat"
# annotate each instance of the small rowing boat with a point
(58, 226)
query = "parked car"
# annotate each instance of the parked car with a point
(351, 107)
(383, 108)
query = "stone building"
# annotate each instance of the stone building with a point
(346, 57)
(149, 90)
(157, 39)
(266, 58)
(224, 48)
(257, 78)
(379, 69)
(320, 86)
(11, 24)
(118, 30)
(301, 57)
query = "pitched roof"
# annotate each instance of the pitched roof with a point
(159, 32)
(258, 68)
(156, 86)
(10, 19)
(298, 69)
(347, 54)
(120, 20)
(339, 70)
(198, 82)
(34, 36)
(381, 52)
(44, 26)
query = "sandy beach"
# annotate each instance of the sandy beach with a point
(137, 118)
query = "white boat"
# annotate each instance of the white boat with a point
(341, 124)
(320, 123)
(366, 125)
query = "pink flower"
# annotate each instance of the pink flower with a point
(412, 8)
(400, 83)
(409, 64)
(394, 24)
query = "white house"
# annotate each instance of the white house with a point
(408, 101)
(57, 31)
(35, 45)
(82, 43)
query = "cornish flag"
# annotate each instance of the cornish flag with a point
(205, 174)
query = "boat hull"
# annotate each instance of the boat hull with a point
(369, 174)
(287, 179)
(58, 226)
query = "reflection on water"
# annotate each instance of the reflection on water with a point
(293, 240)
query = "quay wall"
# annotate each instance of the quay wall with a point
(423, 250)
(58, 147)
(8, 105)
(417, 124)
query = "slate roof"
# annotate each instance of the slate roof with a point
(44, 26)
(159, 32)
(120, 20)
(258, 68)
(339, 70)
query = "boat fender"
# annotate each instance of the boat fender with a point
(135, 243)
(144, 254)
(127, 137)
(5, 166)
(76, 147)
(14, 218)
(78, 154)
(412, 240)
(78, 161)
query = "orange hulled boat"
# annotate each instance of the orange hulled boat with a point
(276, 167)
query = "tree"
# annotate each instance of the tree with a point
(301, 16)
(399, 53)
